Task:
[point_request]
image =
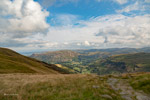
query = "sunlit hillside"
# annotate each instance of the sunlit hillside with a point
(13, 62)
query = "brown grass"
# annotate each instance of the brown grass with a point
(55, 87)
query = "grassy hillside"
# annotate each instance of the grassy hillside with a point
(126, 63)
(140, 81)
(74, 87)
(100, 61)
(12, 62)
(71, 59)
(56, 87)
(56, 56)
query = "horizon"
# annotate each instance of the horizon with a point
(28, 53)
(44, 25)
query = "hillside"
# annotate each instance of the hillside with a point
(56, 56)
(114, 51)
(73, 60)
(126, 63)
(75, 87)
(48, 84)
(93, 60)
(13, 62)
(101, 61)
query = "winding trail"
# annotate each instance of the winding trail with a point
(125, 90)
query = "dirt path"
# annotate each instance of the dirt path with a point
(126, 91)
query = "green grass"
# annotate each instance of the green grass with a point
(55, 87)
(137, 58)
(141, 82)
(11, 66)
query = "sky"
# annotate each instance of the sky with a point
(38, 25)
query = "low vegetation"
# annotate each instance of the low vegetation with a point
(24, 78)
(141, 82)
(55, 87)
(13, 62)
(100, 62)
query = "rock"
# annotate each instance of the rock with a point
(106, 96)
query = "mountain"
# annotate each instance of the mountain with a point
(73, 60)
(56, 56)
(114, 51)
(124, 63)
(13, 62)
(93, 60)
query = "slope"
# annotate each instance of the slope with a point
(13, 62)
(56, 56)
(126, 63)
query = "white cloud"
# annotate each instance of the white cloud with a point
(121, 1)
(86, 43)
(64, 19)
(127, 30)
(138, 5)
(21, 18)
(101, 32)
(131, 7)
(117, 1)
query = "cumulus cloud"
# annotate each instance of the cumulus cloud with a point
(21, 18)
(102, 32)
(127, 30)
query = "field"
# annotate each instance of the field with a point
(55, 87)
(74, 87)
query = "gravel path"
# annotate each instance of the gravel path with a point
(126, 91)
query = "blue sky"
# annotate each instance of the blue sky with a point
(84, 9)
(38, 25)
(91, 8)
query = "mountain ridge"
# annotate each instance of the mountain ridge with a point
(83, 62)
(13, 62)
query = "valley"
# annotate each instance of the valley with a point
(74, 49)
(106, 76)
(100, 61)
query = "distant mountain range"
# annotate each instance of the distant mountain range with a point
(124, 63)
(13, 62)
(100, 61)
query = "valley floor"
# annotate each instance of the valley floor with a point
(70, 87)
